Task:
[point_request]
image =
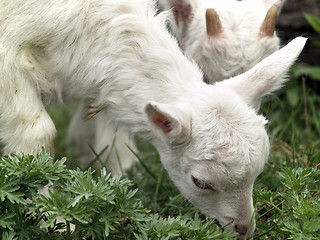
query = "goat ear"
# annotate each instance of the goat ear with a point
(170, 120)
(268, 25)
(268, 75)
(181, 9)
(213, 23)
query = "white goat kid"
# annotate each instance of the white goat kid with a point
(227, 37)
(211, 141)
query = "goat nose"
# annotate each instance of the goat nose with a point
(241, 229)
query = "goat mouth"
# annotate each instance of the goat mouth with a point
(233, 229)
(226, 225)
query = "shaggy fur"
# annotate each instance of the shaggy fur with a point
(72, 49)
(238, 47)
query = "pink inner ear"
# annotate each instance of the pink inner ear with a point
(162, 122)
(176, 15)
(181, 11)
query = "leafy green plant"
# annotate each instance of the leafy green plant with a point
(80, 206)
(294, 212)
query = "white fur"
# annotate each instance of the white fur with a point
(237, 48)
(233, 52)
(73, 49)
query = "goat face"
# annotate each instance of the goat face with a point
(215, 147)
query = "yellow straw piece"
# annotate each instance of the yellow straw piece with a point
(93, 111)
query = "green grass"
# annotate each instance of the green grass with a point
(286, 195)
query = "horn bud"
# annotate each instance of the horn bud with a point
(268, 25)
(214, 26)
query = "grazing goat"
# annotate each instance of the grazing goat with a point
(224, 38)
(117, 54)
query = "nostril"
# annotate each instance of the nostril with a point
(245, 231)
(241, 229)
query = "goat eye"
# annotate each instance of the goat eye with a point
(200, 184)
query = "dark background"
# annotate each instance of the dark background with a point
(291, 23)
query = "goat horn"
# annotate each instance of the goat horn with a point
(214, 26)
(268, 25)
